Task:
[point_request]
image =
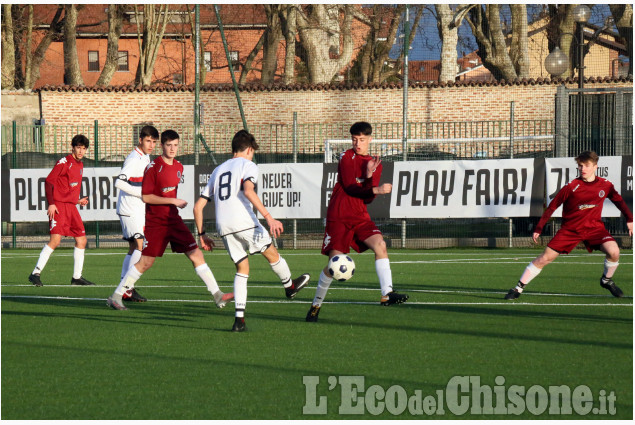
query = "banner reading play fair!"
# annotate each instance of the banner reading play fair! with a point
(421, 189)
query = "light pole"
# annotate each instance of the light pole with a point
(557, 62)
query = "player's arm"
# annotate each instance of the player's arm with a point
(49, 187)
(561, 196)
(153, 199)
(619, 202)
(122, 184)
(275, 226)
(346, 173)
(206, 242)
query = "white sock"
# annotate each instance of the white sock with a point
(128, 281)
(281, 268)
(322, 288)
(205, 273)
(126, 265)
(530, 272)
(382, 266)
(609, 268)
(78, 265)
(45, 254)
(240, 293)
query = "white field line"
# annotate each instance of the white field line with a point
(345, 288)
(338, 302)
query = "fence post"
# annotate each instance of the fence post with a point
(561, 147)
(14, 157)
(618, 123)
(295, 160)
(96, 136)
(511, 156)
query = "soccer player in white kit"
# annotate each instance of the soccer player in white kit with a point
(130, 207)
(231, 186)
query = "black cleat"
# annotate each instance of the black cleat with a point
(239, 325)
(133, 295)
(312, 315)
(298, 284)
(81, 281)
(393, 298)
(612, 287)
(35, 280)
(512, 294)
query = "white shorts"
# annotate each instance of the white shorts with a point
(133, 226)
(247, 242)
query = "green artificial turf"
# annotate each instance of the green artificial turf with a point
(66, 355)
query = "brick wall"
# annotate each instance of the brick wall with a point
(431, 103)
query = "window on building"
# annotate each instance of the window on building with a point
(207, 59)
(93, 60)
(122, 61)
(177, 78)
(233, 56)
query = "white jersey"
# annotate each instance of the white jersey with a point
(234, 212)
(132, 174)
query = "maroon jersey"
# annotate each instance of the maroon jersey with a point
(353, 190)
(64, 182)
(582, 204)
(162, 180)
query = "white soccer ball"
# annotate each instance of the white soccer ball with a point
(341, 267)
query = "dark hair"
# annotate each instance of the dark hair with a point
(587, 156)
(243, 140)
(361, 127)
(149, 131)
(169, 135)
(80, 140)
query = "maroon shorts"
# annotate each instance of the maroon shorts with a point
(176, 233)
(342, 236)
(566, 240)
(67, 222)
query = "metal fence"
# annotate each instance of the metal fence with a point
(41, 146)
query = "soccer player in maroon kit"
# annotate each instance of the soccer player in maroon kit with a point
(348, 224)
(63, 187)
(582, 201)
(164, 224)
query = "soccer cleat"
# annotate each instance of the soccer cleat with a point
(393, 298)
(133, 295)
(239, 325)
(221, 299)
(110, 302)
(81, 281)
(512, 294)
(612, 287)
(312, 315)
(298, 284)
(35, 279)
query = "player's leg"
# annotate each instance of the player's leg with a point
(281, 269)
(45, 254)
(611, 261)
(131, 277)
(205, 274)
(240, 294)
(324, 282)
(376, 243)
(136, 246)
(532, 270)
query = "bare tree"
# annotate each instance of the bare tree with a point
(623, 17)
(115, 24)
(492, 40)
(72, 73)
(269, 43)
(560, 32)
(289, 29)
(326, 39)
(149, 34)
(8, 48)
